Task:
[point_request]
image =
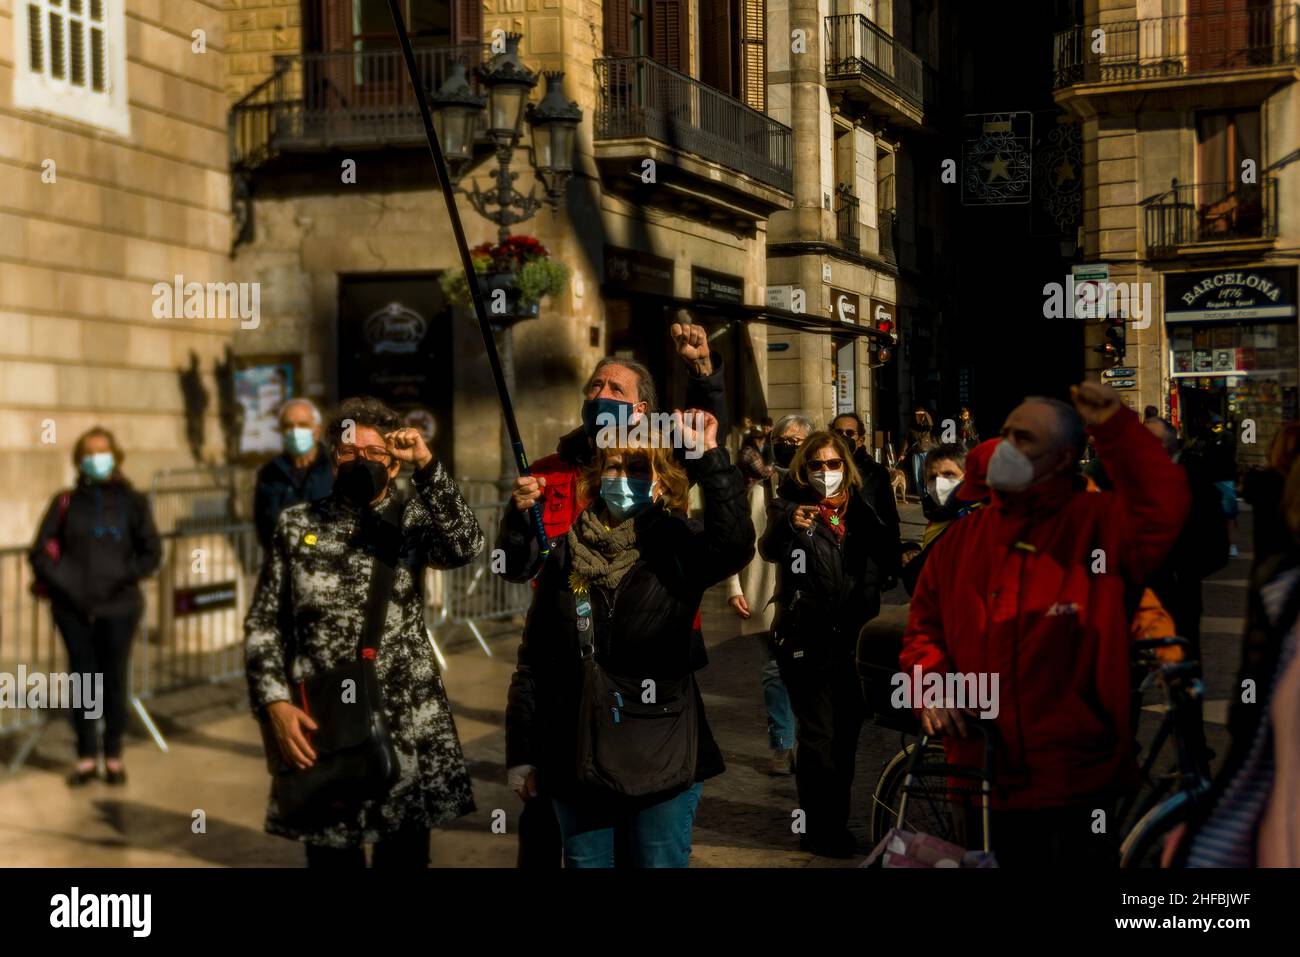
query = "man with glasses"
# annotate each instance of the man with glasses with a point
(750, 594)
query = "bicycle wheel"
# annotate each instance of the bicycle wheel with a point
(1145, 844)
(926, 813)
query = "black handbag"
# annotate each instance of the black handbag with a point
(627, 744)
(355, 759)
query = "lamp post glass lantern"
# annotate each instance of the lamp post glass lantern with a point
(459, 120)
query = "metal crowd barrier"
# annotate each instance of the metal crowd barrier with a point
(192, 630)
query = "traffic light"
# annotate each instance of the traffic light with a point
(885, 347)
(1113, 341)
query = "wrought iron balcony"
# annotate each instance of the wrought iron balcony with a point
(640, 97)
(888, 219)
(325, 101)
(846, 219)
(1210, 213)
(860, 52)
(1156, 48)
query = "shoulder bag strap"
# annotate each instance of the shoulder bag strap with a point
(389, 537)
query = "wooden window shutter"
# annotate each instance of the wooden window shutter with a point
(716, 45)
(752, 71)
(618, 32)
(467, 21)
(668, 33)
(337, 23)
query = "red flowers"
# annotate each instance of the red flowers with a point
(510, 255)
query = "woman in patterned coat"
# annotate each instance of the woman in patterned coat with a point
(314, 585)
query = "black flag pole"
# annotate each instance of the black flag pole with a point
(476, 293)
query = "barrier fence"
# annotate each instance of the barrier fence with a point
(191, 632)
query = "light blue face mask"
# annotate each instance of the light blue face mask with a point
(97, 467)
(624, 496)
(298, 441)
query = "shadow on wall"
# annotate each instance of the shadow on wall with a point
(196, 398)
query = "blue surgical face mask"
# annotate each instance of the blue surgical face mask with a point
(97, 467)
(624, 496)
(602, 413)
(298, 441)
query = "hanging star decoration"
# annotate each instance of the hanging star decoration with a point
(1064, 172)
(997, 168)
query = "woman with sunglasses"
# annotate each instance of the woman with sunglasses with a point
(831, 552)
(95, 543)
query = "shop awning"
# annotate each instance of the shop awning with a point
(743, 312)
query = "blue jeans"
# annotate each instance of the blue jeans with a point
(780, 717)
(656, 836)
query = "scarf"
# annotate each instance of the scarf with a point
(601, 554)
(833, 510)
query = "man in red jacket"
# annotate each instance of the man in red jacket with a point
(1029, 595)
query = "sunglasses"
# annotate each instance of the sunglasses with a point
(847, 433)
(818, 465)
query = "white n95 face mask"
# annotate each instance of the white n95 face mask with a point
(826, 483)
(943, 487)
(1010, 470)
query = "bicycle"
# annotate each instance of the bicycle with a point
(1157, 815)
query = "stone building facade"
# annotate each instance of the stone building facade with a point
(113, 151)
(1191, 128)
(343, 264)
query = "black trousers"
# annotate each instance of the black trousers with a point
(99, 644)
(541, 845)
(828, 709)
(402, 850)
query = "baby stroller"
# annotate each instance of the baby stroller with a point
(925, 812)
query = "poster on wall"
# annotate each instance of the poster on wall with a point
(262, 385)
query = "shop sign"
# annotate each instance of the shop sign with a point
(1235, 295)
(845, 306)
(709, 286)
(631, 270)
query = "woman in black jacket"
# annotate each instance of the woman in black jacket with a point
(95, 543)
(831, 551)
(604, 717)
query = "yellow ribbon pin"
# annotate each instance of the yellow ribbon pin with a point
(309, 539)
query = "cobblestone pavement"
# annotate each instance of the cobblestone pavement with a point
(201, 803)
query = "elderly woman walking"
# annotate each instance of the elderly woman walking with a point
(312, 614)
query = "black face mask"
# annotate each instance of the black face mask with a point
(783, 454)
(360, 482)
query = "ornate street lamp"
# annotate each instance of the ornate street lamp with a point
(456, 110)
(509, 82)
(554, 124)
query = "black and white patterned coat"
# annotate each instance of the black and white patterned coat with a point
(314, 584)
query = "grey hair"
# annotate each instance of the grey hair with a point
(794, 418)
(645, 387)
(315, 410)
(1069, 425)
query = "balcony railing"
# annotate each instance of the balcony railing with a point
(1176, 46)
(857, 47)
(1210, 213)
(846, 219)
(317, 101)
(640, 97)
